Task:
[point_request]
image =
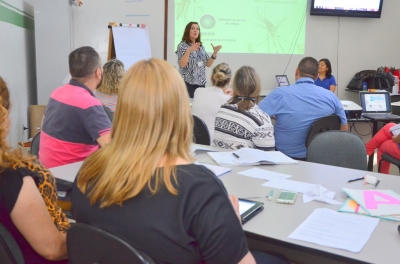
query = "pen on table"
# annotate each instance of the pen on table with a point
(236, 155)
(376, 184)
(356, 179)
(271, 193)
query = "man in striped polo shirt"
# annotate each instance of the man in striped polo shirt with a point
(75, 123)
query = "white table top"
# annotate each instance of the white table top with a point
(277, 221)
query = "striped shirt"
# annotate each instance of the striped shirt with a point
(236, 129)
(195, 71)
(73, 121)
(108, 100)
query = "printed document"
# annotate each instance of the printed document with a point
(329, 228)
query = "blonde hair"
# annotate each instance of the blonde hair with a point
(113, 72)
(221, 75)
(8, 157)
(246, 83)
(152, 123)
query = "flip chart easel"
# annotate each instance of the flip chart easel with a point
(128, 42)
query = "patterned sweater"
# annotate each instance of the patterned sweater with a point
(236, 129)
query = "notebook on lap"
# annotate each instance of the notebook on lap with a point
(377, 105)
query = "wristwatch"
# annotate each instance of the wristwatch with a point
(212, 57)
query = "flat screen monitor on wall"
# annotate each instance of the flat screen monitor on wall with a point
(348, 8)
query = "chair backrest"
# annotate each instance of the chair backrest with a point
(109, 113)
(200, 131)
(338, 148)
(89, 244)
(35, 144)
(330, 122)
(10, 252)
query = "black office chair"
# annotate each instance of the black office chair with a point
(35, 144)
(200, 132)
(388, 158)
(89, 244)
(10, 252)
(109, 113)
(331, 122)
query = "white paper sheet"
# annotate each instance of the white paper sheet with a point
(264, 174)
(329, 228)
(289, 185)
(217, 170)
(321, 194)
(131, 44)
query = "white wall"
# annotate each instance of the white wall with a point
(17, 67)
(53, 44)
(91, 22)
(351, 44)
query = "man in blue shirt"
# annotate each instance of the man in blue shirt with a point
(297, 106)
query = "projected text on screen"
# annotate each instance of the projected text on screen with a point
(251, 26)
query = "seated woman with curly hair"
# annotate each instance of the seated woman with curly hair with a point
(107, 93)
(26, 189)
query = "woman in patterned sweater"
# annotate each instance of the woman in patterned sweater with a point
(240, 122)
(40, 232)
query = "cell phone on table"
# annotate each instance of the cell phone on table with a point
(286, 197)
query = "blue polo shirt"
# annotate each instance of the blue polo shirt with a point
(295, 108)
(326, 82)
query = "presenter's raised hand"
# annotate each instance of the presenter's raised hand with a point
(216, 48)
(194, 47)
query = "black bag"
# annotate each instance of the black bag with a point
(363, 76)
(375, 79)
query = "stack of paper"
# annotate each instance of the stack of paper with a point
(249, 156)
(379, 203)
(395, 129)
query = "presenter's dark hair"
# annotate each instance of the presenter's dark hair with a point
(83, 62)
(186, 33)
(328, 65)
(308, 67)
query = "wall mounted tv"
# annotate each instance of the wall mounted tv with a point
(348, 8)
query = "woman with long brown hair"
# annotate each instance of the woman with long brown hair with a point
(240, 122)
(144, 187)
(40, 232)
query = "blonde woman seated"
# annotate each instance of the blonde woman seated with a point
(207, 101)
(26, 189)
(143, 186)
(107, 93)
(240, 122)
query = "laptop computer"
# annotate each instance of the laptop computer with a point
(282, 80)
(377, 105)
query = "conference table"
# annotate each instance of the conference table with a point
(269, 230)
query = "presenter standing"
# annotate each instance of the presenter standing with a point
(193, 58)
(325, 78)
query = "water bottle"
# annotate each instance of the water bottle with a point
(365, 86)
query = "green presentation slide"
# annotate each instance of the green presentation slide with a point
(245, 26)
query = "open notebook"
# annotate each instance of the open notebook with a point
(249, 156)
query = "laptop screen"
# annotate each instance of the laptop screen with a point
(375, 102)
(282, 80)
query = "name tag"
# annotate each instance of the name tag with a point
(200, 63)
